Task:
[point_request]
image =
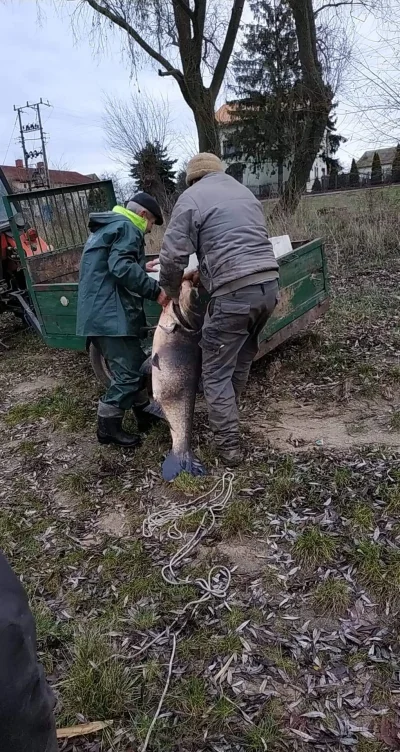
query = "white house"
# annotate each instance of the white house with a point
(267, 174)
(386, 156)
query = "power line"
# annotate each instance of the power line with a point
(11, 137)
(29, 128)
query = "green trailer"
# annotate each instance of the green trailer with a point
(60, 217)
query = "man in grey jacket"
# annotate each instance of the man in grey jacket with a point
(223, 223)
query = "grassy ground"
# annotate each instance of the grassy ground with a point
(304, 652)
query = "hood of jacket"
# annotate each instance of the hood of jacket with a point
(101, 219)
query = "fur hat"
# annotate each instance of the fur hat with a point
(201, 165)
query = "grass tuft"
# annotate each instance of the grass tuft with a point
(341, 478)
(282, 486)
(222, 712)
(395, 421)
(267, 734)
(362, 516)
(314, 548)
(393, 501)
(238, 519)
(189, 484)
(332, 597)
(368, 559)
(74, 483)
(98, 686)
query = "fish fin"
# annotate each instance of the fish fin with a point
(146, 367)
(154, 408)
(187, 462)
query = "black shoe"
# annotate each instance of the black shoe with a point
(110, 431)
(145, 420)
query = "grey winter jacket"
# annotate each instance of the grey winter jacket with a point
(223, 223)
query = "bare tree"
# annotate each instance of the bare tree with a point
(124, 189)
(190, 40)
(310, 16)
(130, 125)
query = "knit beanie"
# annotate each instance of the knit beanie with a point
(201, 165)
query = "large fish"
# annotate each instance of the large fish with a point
(175, 370)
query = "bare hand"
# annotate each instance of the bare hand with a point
(163, 299)
(151, 265)
(193, 275)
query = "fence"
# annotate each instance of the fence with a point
(344, 181)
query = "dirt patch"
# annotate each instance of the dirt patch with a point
(294, 426)
(115, 524)
(39, 384)
(248, 556)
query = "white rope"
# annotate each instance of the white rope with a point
(162, 698)
(217, 581)
(212, 503)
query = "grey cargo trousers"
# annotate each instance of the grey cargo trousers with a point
(229, 343)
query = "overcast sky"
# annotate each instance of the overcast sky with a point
(44, 60)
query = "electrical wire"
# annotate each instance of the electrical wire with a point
(11, 137)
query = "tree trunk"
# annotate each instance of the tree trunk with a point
(280, 178)
(304, 158)
(319, 104)
(206, 124)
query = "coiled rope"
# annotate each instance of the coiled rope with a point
(216, 583)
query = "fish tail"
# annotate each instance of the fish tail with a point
(181, 462)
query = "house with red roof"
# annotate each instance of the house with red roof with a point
(22, 179)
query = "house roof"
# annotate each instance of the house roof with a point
(223, 116)
(386, 156)
(57, 177)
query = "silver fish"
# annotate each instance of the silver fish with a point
(176, 369)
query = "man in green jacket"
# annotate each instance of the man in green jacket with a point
(112, 285)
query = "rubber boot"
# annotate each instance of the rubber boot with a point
(145, 420)
(231, 457)
(110, 431)
(229, 451)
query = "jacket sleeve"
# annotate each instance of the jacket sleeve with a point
(123, 265)
(180, 241)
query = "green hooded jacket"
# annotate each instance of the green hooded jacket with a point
(112, 277)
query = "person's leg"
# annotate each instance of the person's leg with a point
(125, 357)
(225, 330)
(263, 299)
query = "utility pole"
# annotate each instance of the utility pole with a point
(26, 130)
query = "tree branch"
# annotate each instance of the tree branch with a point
(233, 26)
(174, 72)
(336, 5)
(185, 6)
(200, 7)
(123, 24)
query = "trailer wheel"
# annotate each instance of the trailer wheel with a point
(99, 365)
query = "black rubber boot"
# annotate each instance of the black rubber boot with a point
(110, 431)
(145, 421)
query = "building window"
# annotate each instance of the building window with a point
(228, 150)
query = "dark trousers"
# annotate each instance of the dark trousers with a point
(26, 700)
(230, 342)
(125, 357)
